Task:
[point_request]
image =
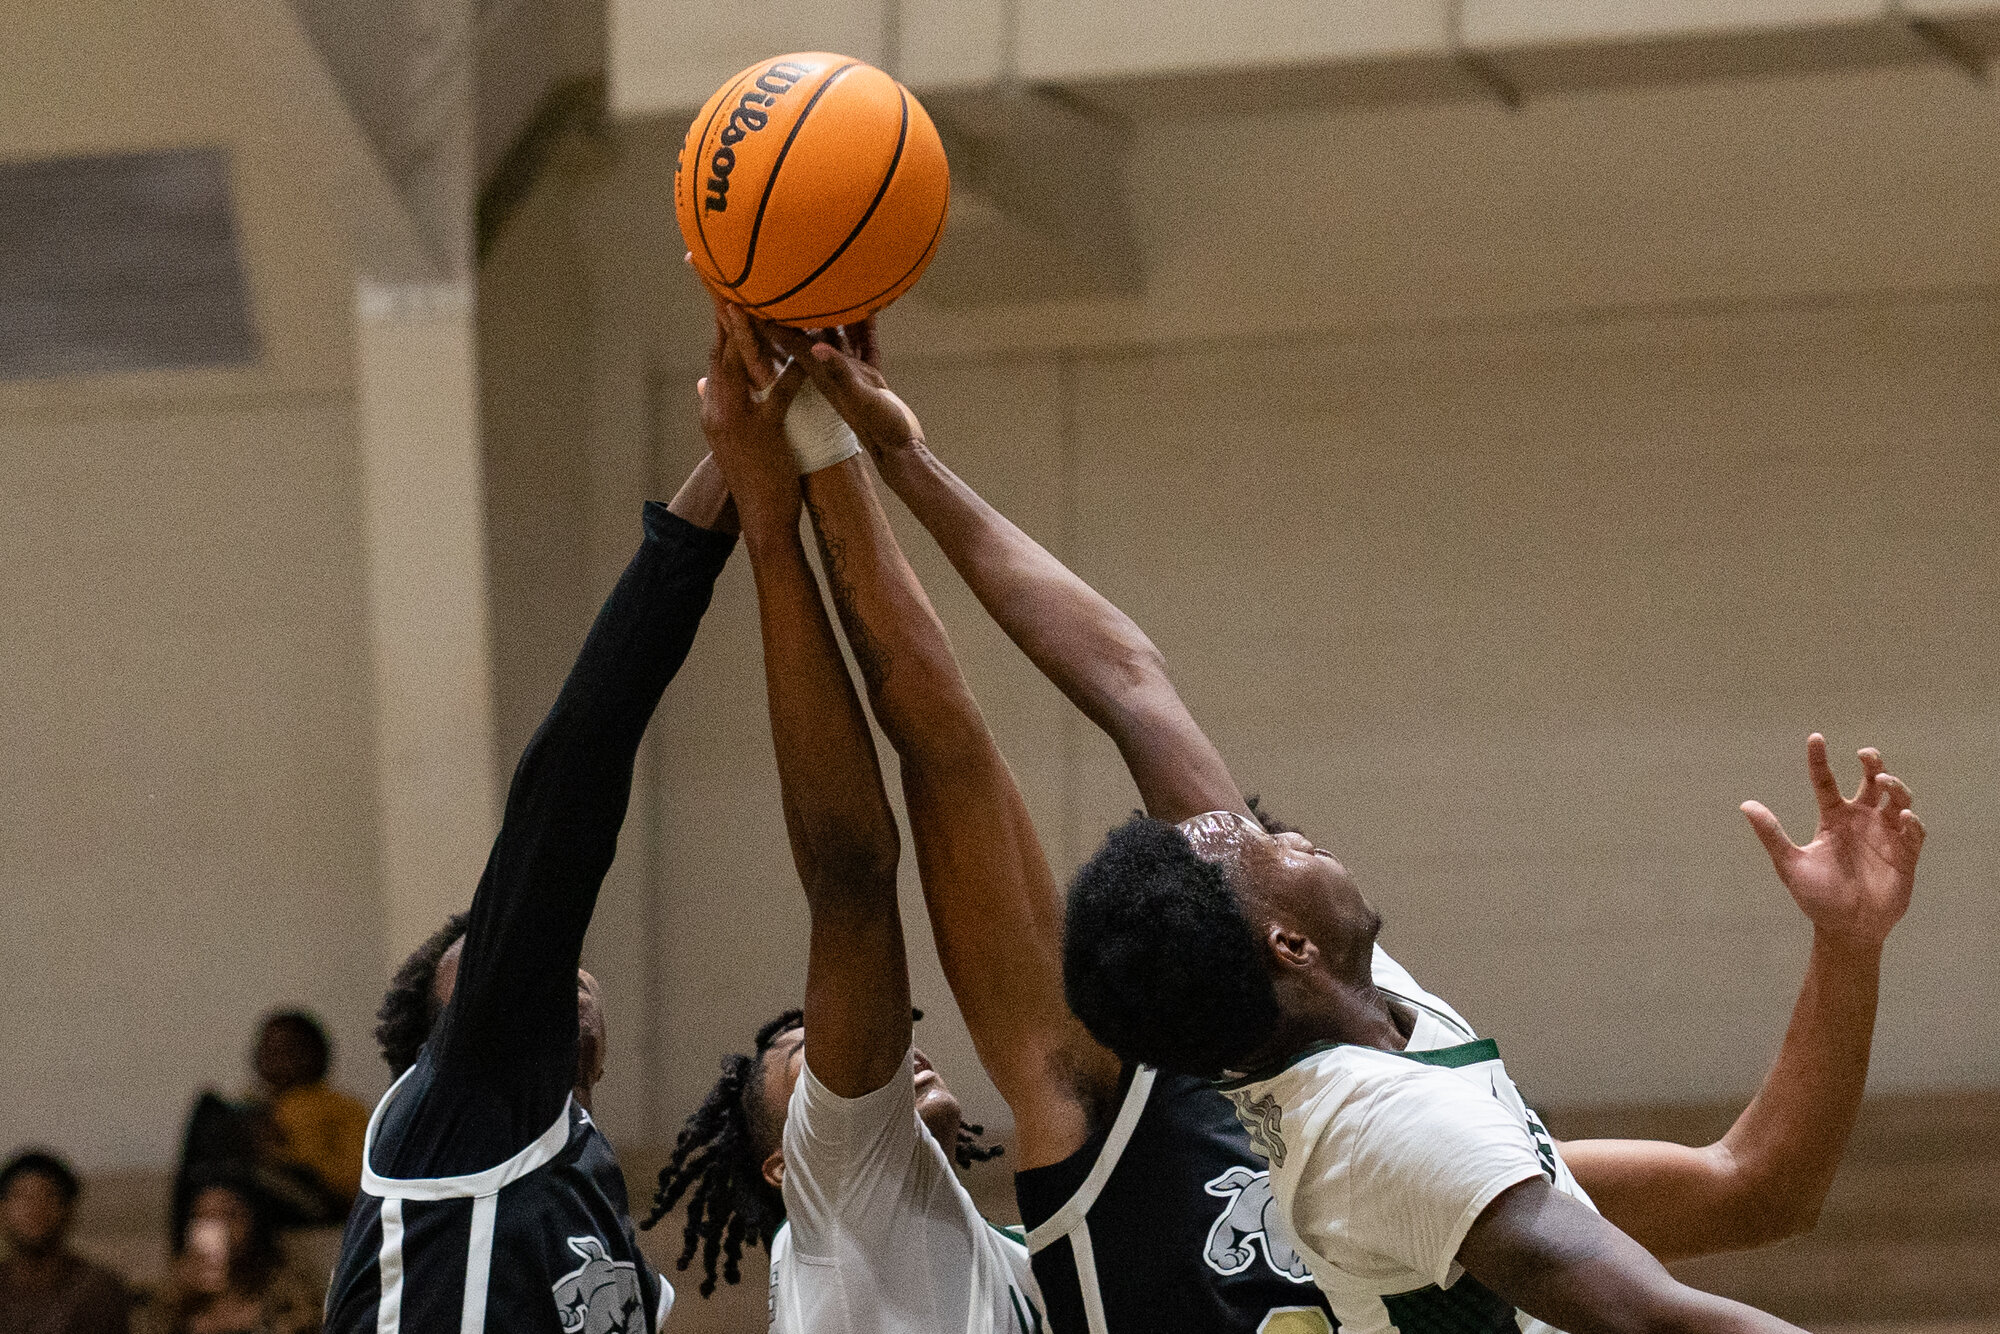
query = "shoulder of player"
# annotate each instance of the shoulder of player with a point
(844, 1134)
(1355, 1093)
(1328, 1071)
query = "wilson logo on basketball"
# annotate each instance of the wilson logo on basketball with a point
(749, 117)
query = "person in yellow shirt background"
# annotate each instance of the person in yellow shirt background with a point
(316, 1126)
(296, 1137)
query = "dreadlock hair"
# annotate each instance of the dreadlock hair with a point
(409, 1008)
(719, 1156)
(969, 1150)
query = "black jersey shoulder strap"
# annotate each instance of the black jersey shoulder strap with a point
(1073, 1219)
(482, 1188)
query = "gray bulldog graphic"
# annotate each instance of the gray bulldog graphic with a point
(1248, 1218)
(600, 1296)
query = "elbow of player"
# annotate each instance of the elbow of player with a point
(1784, 1223)
(1140, 705)
(1138, 673)
(1674, 1309)
(840, 864)
(1767, 1208)
(859, 871)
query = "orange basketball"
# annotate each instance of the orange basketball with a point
(812, 189)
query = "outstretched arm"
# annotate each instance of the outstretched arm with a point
(992, 900)
(1093, 652)
(1766, 1179)
(837, 815)
(511, 1026)
(1552, 1257)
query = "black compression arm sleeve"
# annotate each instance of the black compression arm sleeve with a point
(511, 1026)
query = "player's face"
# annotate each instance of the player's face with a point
(937, 1106)
(1309, 886)
(1287, 880)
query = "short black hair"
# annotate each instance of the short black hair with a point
(1159, 961)
(1272, 824)
(308, 1029)
(409, 1008)
(42, 1163)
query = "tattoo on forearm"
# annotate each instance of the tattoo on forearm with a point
(869, 651)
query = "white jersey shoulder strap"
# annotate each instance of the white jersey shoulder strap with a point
(1068, 1218)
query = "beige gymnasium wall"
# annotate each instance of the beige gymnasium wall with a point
(1510, 493)
(186, 744)
(190, 837)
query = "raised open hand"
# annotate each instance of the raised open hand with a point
(1854, 878)
(842, 363)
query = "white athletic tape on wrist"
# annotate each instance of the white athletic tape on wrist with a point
(816, 433)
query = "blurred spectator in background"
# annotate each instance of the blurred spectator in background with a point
(318, 1127)
(45, 1288)
(229, 1274)
(299, 1137)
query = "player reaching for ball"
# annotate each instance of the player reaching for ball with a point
(832, 1143)
(1147, 1205)
(489, 1198)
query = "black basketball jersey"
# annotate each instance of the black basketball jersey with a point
(541, 1243)
(1162, 1224)
(489, 1200)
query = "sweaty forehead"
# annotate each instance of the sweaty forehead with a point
(1223, 837)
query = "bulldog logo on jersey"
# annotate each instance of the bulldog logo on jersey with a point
(600, 1296)
(1248, 1219)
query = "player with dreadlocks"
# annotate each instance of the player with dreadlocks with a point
(717, 1158)
(828, 1142)
(488, 1195)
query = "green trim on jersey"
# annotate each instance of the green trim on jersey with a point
(1453, 1058)
(1465, 1053)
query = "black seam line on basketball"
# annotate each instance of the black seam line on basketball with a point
(902, 136)
(700, 223)
(923, 255)
(771, 181)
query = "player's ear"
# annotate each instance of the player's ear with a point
(774, 1169)
(1289, 947)
(589, 1058)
